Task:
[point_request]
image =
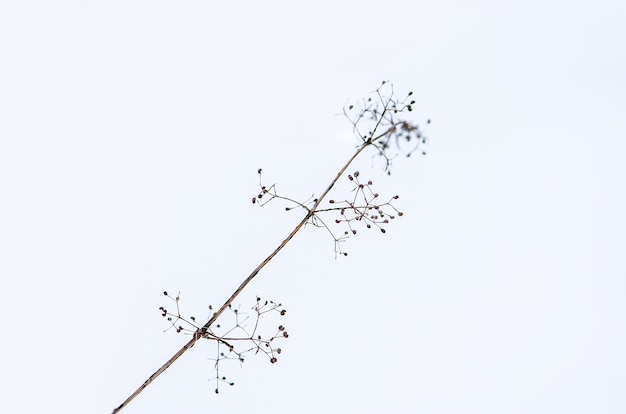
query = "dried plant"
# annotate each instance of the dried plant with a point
(238, 332)
(379, 123)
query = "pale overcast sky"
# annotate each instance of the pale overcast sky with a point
(130, 137)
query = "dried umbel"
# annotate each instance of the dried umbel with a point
(363, 208)
(378, 121)
(238, 338)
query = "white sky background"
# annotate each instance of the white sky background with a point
(130, 136)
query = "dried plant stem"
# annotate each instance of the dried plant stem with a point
(202, 331)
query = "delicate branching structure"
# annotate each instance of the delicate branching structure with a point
(364, 207)
(243, 329)
(380, 113)
(379, 123)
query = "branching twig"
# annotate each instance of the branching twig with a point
(381, 115)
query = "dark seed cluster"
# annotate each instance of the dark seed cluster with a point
(364, 208)
(378, 122)
(243, 329)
